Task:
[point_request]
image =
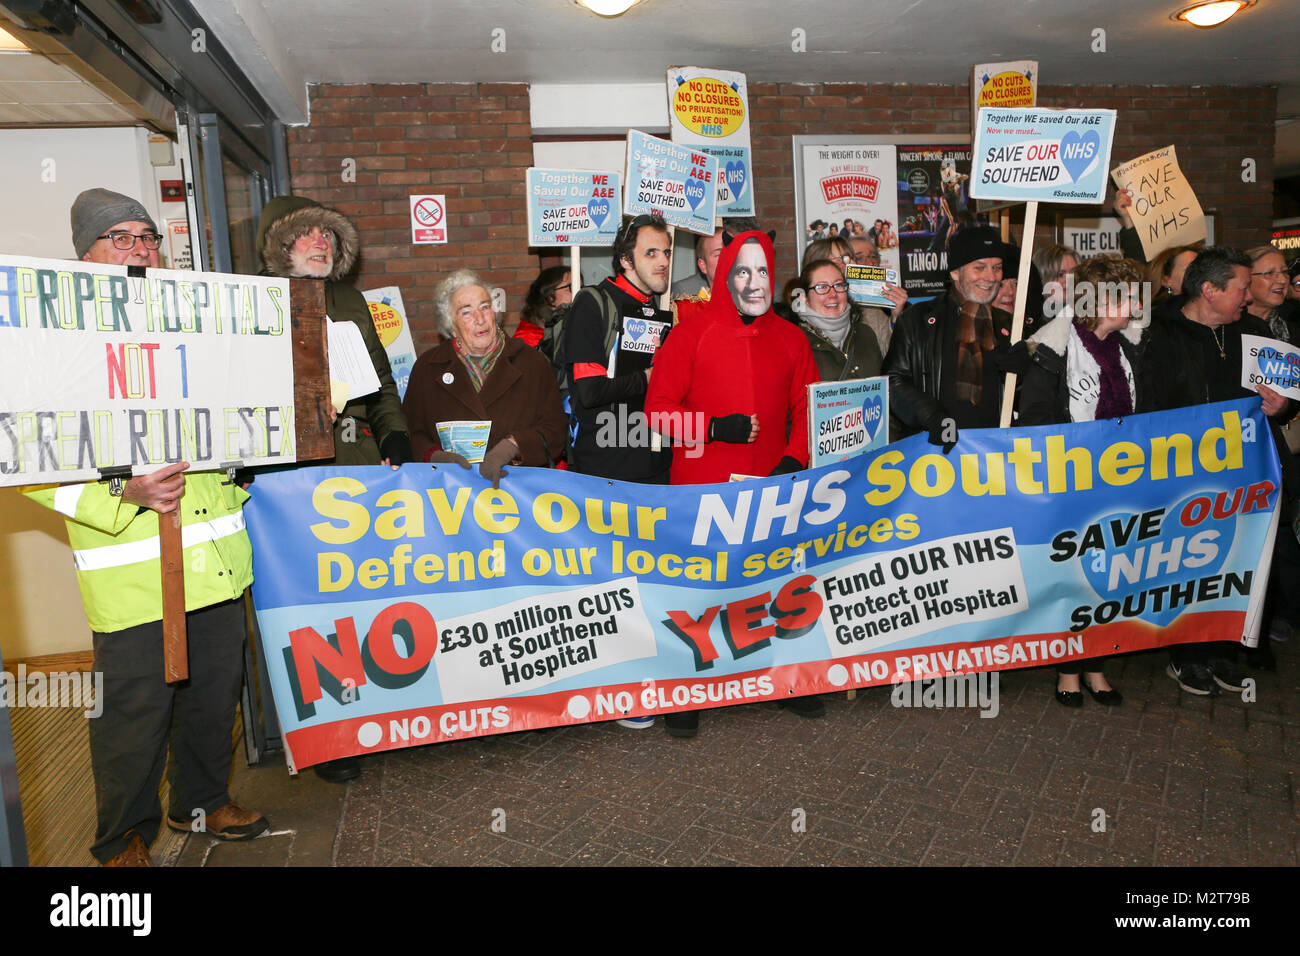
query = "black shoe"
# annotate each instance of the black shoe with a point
(1194, 678)
(1111, 698)
(1261, 658)
(685, 724)
(1227, 675)
(339, 771)
(804, 706)
(1069, 698)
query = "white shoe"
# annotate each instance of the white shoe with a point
(636, 723)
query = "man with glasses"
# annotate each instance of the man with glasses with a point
(109, 526)
(865, 252)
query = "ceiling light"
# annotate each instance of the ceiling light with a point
(11, 44)
(1211, 13)
(607, 8)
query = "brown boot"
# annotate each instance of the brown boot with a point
(232, 822)
(135, 854)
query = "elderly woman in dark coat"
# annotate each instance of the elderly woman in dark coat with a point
(478, 374)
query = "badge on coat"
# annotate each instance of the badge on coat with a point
(641, 335)
(448, 378)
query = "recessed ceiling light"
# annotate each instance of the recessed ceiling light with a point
(607, 8)
(11, 44)
(1212, 12)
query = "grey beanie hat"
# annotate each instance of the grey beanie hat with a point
(98, 209)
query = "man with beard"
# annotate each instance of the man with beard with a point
(945, 361)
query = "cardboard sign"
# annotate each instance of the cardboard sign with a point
(1004, 85)
(99, 370)
(1165, 211)
(572, 207)
(389, 315)
(1272, 363)
(675, 182)
(849, 191)
(709, 109)
(847, 419)
(428, 220)
(1033, 154)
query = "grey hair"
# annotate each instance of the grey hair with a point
(1259, 252)
(447, 288)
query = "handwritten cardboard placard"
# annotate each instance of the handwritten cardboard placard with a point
(1034, 154)
(1165, 210)
(673, 181)
(101, 369)
(709, 110)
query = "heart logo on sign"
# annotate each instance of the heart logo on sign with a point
(694, 192)
(1180, 553)
(871, 416)
(1078, 152)
(736, 178)
(635, 327)
(598, 209)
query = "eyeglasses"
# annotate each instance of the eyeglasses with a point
(1273, 274)
(126, 240)
(867, 259)
(821, 288)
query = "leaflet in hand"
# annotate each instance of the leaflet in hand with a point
(867, 284)
(468, 439)
(350, 360)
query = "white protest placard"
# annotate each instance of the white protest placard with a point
(709, 109)
(100, 369)
(1031, 154)
(675, 182)
(1004, 84)
(847, 419)
(1165, 210)
(428, 220)
(1272, 363)
(572, 207)
(389, 316)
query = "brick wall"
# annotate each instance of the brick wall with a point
(472, 142)
(1149, 117)
(468, 141)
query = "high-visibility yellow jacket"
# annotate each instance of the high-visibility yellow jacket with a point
(116, 552)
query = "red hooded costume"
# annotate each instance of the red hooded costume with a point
(715, 365)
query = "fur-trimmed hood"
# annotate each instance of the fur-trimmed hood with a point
(285, 218)
(1055, 335)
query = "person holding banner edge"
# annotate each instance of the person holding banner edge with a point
(113, 532)
(1193, 356)
(739, 374)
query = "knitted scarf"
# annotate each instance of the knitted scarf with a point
(974, 338)
(479, 366)
(1114, 400)
(835, 328)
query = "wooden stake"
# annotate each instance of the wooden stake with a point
(176, 656)
(575, 270)
(1022, 293)
(665, 300)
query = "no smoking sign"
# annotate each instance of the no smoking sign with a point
(427, 219)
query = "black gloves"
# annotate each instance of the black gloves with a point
(786, 466)
(944, 434)
(448, 458)
(494, 462)
(397, 448)
(730, 428)
(1013, 361)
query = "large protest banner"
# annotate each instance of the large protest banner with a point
(676, 182)
(849, 191)
(709, 109)
(1165, 211)
(155, 368)
(934, 204)
(406, 607)
(1034, 154)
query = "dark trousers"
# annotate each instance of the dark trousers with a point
(1091, 665)
(143, 715)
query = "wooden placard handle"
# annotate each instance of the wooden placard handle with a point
(176, 655)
